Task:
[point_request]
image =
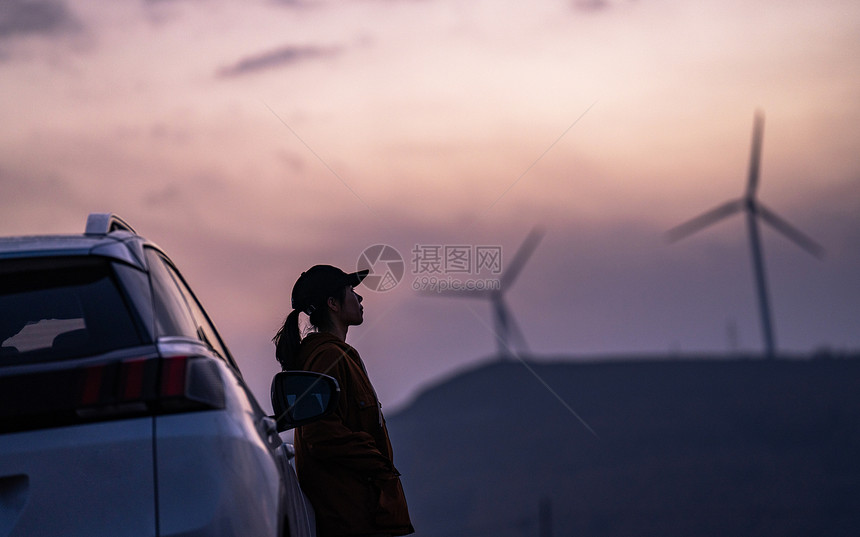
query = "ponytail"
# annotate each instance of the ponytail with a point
(287, 342)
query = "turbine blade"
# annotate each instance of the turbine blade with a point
(704, 220)
(508, 333)
(755, 154)
(521, 257)
(791, 232)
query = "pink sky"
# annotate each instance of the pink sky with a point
(254, 139)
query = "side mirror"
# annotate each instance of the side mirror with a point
(300, 397)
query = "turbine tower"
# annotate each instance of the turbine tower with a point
(754, 210)
(504, 324)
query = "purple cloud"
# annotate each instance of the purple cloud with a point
(39, 17)
(281, 57)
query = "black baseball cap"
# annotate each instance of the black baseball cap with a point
(320, 282)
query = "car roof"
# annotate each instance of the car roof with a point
(104, 237)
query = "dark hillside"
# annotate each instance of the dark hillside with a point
(683, 448)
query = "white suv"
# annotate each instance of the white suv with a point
(122, 413)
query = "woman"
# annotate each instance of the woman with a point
(344, 461)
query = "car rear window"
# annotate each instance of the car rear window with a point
(60, 308)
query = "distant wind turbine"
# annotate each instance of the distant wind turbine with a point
(754, 210)
(505, 326)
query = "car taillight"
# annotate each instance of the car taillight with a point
(113, 389)
(151, 385)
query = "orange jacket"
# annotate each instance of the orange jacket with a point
(344, 461)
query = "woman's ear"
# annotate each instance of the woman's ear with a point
(332, 304)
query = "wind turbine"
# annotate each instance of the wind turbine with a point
(754, 210)
(504, 324)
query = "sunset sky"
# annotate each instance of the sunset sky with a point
(254, 139)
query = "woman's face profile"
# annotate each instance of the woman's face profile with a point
(351, 311)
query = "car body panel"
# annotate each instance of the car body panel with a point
(217, 474)
(51, 479)
(212, 480)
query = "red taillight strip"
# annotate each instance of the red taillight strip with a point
(92, 385)
(132, 375)
(173, 376)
